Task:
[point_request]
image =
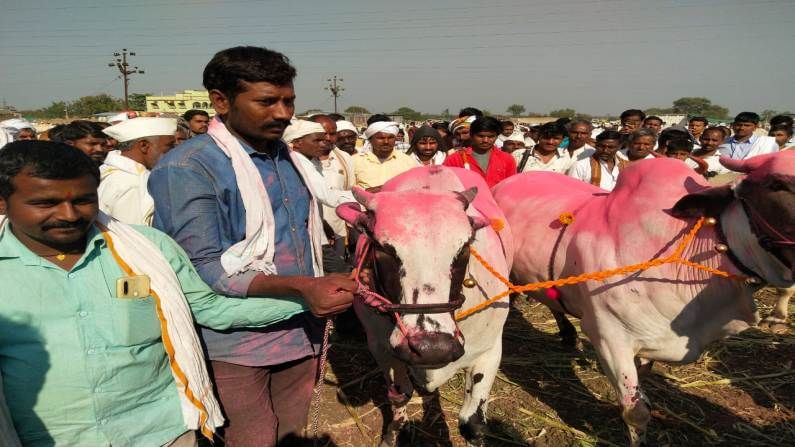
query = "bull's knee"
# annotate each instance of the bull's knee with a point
(473, 428)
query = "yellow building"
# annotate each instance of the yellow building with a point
(180, 103)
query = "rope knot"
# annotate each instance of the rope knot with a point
(566, 218)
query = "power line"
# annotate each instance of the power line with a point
(123, 66)
(470, 36)
(335, 88)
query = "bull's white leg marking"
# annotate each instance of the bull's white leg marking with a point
(399, 392)
(617, 360)
(479, 379)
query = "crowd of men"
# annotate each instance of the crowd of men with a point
(169, 277)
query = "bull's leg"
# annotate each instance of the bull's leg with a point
(568, 334)
(399, 391)
(479, 378)
(776, 322)
(617, 360)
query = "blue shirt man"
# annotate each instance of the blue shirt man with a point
(264, 377)
(744, 144)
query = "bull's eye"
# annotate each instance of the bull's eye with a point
(778, 185)
(389, 271)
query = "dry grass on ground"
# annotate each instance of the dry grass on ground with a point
(740, 392)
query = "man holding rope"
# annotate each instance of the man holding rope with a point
(237, 201)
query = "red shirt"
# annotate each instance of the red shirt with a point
(501, 164)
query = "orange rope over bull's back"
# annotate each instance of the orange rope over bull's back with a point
(673, 258)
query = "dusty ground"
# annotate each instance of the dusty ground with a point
(740, 393)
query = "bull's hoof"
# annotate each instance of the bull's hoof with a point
(774, 325)
(473, 432)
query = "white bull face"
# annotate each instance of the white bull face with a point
(420, 242)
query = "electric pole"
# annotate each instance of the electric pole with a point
(120, 62)
(335, 88)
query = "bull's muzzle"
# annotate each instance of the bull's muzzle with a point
(429, 349)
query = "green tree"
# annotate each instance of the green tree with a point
(446, 114)
(408, 114)
(659, 111)
(515, 109)
(692, 106)
(356, 109)
(563, 113)
(89, 105)
(137, 101)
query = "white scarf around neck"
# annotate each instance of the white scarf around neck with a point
(256, 251)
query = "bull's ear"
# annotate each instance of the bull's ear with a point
(479, 222)
(364, 197)
(709, 202)
(352, 214)
(467, 196)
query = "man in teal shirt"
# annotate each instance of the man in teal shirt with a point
(81, 366)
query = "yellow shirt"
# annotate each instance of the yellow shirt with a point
(371, 172)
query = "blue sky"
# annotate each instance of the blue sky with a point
(593, 56)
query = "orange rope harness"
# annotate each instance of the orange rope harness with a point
(673, 258)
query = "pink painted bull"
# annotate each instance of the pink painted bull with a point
(420, 227)
(670, 312)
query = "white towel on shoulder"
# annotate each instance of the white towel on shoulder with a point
(256, 251)
(137, 255)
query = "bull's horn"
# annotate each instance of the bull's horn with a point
(745, 166)
(466, 197)
(364, 197)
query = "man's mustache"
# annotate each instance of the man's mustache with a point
(81, 223)
(277, 124)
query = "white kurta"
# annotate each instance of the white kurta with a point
(582, 170)
(122, 190)
(337, 170)
(559, 163)
(323, 192)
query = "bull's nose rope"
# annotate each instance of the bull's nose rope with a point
(673, 258)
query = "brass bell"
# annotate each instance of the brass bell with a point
(753, 281)
(470, 282)
(721, 248)
(710, 221)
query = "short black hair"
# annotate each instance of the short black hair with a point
(563, 121)
(632, 112)
(672, 133)
(76, 130)
(720, 130)
(193, 112)
(781, 119)
(552, 129)
(747, 117)
(784, 127)
(700, 119)
(485, 124)
(679, 144)
(336, 117)
(441, 125)
(229, 67)
(377, 118)
(609, 135)
(46, 159)
(470, 111)
(653, 118)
